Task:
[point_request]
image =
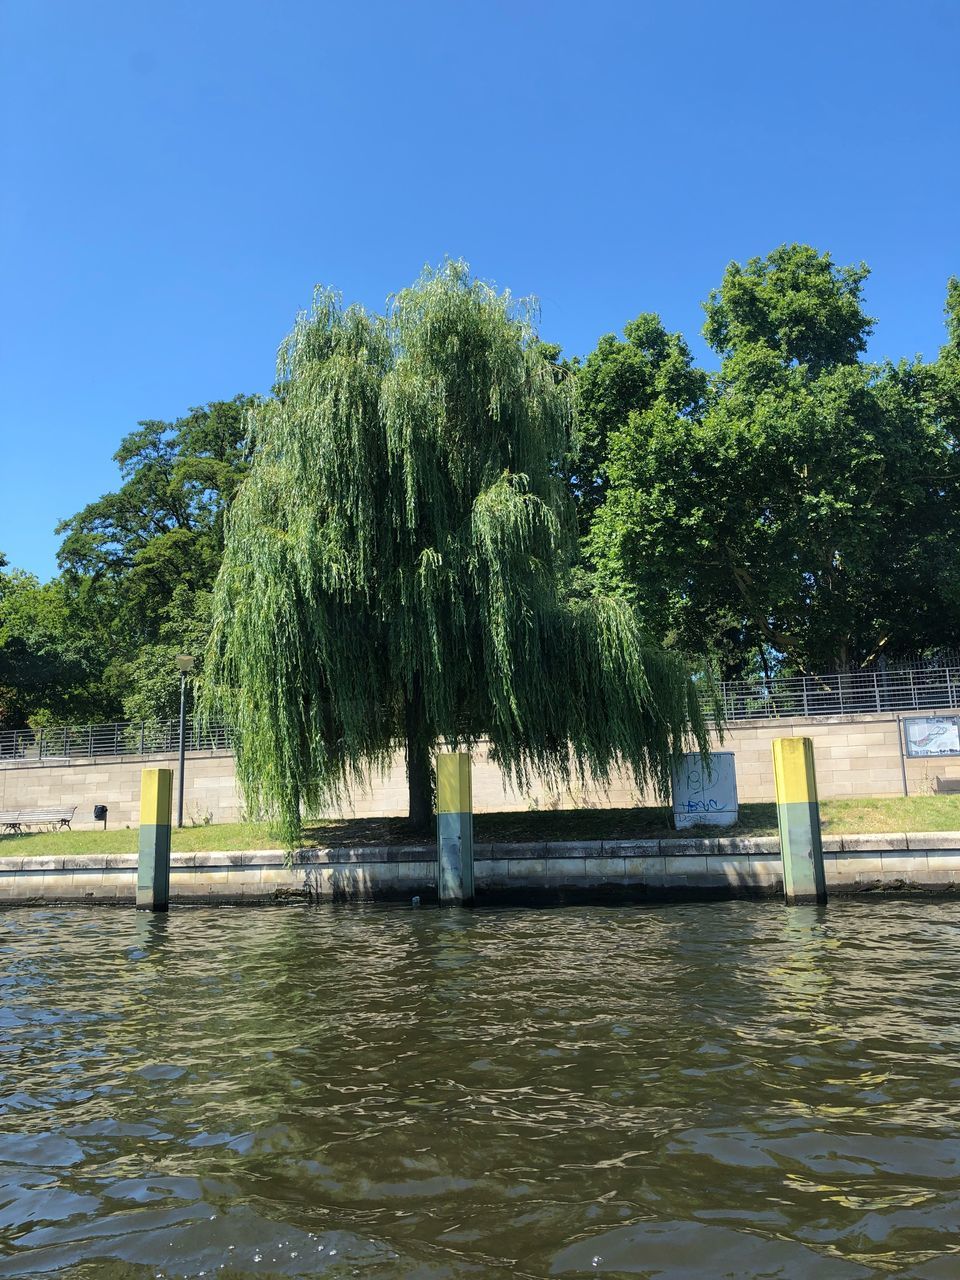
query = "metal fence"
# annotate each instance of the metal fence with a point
(64, 742)
(850, 693)
(853, 693)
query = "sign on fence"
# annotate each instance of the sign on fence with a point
(932, 735)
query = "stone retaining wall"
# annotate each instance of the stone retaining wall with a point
(210, 790)
(856, 755)
(612, 870)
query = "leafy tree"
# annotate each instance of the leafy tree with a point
(807, 510)
(49, 669)
(152, 674)
(795, 304)
(164, 527)
(946, 387)
(139, 563)
(624, 377)
(398, 560)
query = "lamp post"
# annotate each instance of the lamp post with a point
(184, 665)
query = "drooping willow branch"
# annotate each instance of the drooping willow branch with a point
(398, 564)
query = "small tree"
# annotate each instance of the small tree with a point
(398, 567)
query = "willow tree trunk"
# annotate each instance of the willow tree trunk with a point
(418, 762)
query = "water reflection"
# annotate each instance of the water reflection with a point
(733, 1089)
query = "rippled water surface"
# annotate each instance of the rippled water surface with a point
(725, 1090)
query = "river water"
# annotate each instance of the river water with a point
(722, 1090)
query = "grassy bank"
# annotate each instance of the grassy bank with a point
(910, 813)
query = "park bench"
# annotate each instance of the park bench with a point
(13, 821)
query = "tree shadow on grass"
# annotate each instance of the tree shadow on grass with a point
(533, 825)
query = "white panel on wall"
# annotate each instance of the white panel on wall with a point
(705, 796)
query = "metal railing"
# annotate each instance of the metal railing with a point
(915, 688)
(133, 738)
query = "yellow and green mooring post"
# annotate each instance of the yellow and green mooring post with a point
(153, 861)
(454, 830)
(798, 817)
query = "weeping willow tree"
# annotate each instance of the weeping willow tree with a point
(398, 566)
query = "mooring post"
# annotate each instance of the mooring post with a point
(153, 862)
(798, 817)
(454, 830)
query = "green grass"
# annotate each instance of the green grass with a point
(228, 835)
(912, 813)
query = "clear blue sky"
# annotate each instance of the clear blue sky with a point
(178, 176)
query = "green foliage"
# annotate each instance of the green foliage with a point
(138, 566)
(620, 378)
(397, 566)
(140, 563)
(807, 510)
(49, 669)
(163, 528)
(795, 304)
(410, 525)
(152, 675)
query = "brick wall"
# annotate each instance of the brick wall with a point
(855, 756)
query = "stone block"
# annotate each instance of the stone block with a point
(943, 868)
(735, 872)
(942, 879)
(690, 847)
(514, 851)
(766, 870)
(857, 869)
(631, 848)
(492, 872)
(209, 881)
(933, 840)
(56, 885)
(85, 877)
(82, 862)
(43, 864)
(570, 870)
(573, 848)
(876, 738)
(212, 859)
(645, 870)
(417, 874)
(526, 870)
(605, 870)
(906, 866)
(865, 777)
(746, 846)
(385, 873)
(688, 869)
(247, 858)
(276, 877)
(874, 843)
(22, 889)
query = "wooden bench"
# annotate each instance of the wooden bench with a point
(12, 821)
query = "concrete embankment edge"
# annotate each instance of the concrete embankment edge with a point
(610, 870)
